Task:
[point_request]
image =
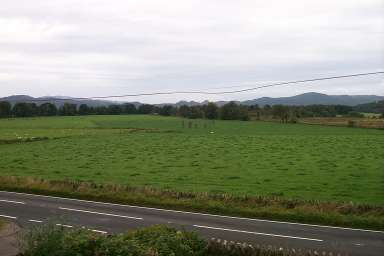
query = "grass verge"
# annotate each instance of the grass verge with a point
(272, 208)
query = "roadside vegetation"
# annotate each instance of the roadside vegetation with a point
(50, 240)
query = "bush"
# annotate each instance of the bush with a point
(355, 114)
(351, 123)
(52, 240)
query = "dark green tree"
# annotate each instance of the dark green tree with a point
(23, 109)
(281, 112)
(114, 109)
(184, 111)
(47, 109)
(100, 110)
(129, 108)
(84, 109)
(145, 109)
(167, 110)
(68, 109)
(233, 111)
(5, 109)
(211, 111)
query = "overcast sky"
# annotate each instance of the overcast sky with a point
(103, 47)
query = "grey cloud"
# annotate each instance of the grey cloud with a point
(111, 47)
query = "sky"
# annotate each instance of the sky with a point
(109, 47)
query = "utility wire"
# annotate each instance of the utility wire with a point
(215, 93)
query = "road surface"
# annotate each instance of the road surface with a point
(30, 209)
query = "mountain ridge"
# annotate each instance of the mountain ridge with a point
(310, 98)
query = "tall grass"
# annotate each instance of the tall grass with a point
(273, 208)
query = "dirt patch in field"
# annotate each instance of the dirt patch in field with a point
(374, 123)
(22, 140)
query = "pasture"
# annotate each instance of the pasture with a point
(309, 162)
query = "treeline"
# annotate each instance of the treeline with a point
(292, 113)
(229, 111)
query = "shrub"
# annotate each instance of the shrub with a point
(52, 240)
(351, 123)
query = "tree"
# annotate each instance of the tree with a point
(145, 109)
(167, 110)
(129, 108)
(68, 109)
(211, 111)
(23, 109)
(233, 111)
(196, 112)
(5, 109)
(281, 112)
(84, 109)
(101, 110)
(47, 109)
(184, 111)
(114, 109)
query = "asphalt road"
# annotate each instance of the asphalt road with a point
(30, 209)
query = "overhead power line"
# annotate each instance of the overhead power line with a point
(216, 93)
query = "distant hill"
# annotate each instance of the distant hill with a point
(302, 99)
(316, 98)
(58, 100)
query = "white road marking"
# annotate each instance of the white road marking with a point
(258, 233)
(100, 213)
(98, 231)
(10, 201)
(63, 225)
(37, 221)
(195, 213)
(9, 217)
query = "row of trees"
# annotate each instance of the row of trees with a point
(24, 109)
(292, 113)
(229, 111)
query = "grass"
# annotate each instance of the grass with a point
(253, 158)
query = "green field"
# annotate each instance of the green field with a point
(254, 158)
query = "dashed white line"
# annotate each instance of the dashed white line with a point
(37, 221)
(8, 217)
(100, 213)
(10, 201)
(194, 213)
(63, 225)
(98, 231)
(258, 233)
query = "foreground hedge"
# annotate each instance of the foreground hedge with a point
(51, 240)
(273, 208)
